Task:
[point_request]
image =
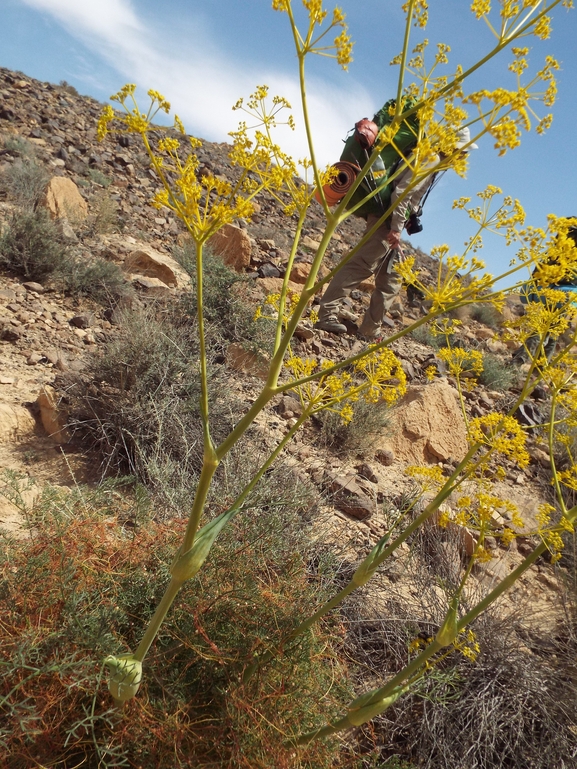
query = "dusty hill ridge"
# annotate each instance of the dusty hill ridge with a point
(98, 194)
(45, 332)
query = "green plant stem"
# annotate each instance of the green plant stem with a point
(157, 619)
(502, 587)
(210, 459)
(403, 65)
(551, 439)
(284, 289)
(270, 460)
(301, 53)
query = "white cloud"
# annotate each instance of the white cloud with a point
(203, 83)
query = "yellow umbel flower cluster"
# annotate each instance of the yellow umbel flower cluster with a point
(342, 46)
(377, 377)
(206, 202)
(500, 434)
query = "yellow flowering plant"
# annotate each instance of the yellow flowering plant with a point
(205, 202)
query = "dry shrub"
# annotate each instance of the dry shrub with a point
(370, 421)
(85, 583)
(138, 402)
(98, 279)
(32, 246)
(25, 180)
(513, 707)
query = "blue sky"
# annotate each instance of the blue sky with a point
(204, 54)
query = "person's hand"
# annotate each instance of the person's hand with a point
(394, 239)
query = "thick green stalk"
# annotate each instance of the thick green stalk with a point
(284, 289)
(157, 619)
(551, 439)
(210, 459)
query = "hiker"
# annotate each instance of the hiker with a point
(380, 253)
(531, 292)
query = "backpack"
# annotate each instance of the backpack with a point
(357, 150)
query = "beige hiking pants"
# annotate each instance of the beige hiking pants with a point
(374, 258)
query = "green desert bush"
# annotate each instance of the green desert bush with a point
(24, 181)
(370, 421)
(98, 279)
(228, 314)
(424, 335)
(32, 246)
(86, 582)
(96, 176)
(496, 374)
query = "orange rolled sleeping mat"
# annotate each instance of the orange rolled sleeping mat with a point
(341, 184)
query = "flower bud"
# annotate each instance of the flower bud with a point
(125, 676)
(186, 565)
(449, 629)
(370, 564)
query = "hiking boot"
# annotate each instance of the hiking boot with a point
(331, 323)
(369, 330)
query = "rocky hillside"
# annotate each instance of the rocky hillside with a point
(98, 195)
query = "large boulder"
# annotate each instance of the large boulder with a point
(428, 426)
(15, 421)
(53, 418)
(148, 262)
(266, 286)
(233, 245)
(63, 200)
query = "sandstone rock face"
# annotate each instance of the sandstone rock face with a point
(15, 421)
(63, 200)
(349, 496)
(246, 362)
(274, 285)
(300, 273)
(233, 245)
(428, 426)
(53, 418)
(148, 262)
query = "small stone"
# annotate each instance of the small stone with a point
(366, 471)
(385, 457)
(7, 380)
(541, 457)
(37, 288)
(80, 321)
(35, 358)
(269, 270)
(304, 333)
(10, 334)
